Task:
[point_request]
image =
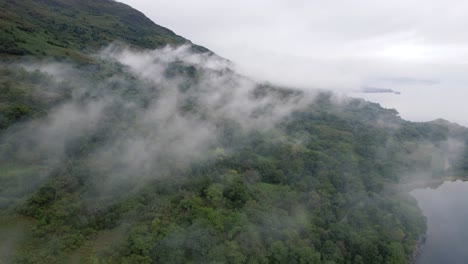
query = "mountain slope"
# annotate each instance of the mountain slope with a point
(130, 155)
(64, 27)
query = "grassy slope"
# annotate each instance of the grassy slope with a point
(73, 27)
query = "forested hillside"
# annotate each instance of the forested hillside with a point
(115, 148)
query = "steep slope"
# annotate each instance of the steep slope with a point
(129, 155)
(65, 27)
(64, 30)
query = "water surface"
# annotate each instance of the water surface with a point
(446, 209)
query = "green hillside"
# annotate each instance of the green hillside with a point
(70, 27)
(131, 155)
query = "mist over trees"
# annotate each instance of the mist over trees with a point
(169, 156)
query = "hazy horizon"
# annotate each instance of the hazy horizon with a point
(413, 47)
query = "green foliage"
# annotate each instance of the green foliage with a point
(72, 28)
(20, 98)
(263, 198)
(319, 187)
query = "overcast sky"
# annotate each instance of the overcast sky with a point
(419, 48)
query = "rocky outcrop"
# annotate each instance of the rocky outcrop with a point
(417, 250)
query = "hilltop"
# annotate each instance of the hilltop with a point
(72, 28)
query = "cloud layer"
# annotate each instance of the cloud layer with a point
(149, 113)
(337, 45)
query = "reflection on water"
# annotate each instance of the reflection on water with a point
(446, 209)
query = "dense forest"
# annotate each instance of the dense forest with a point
(121, 142)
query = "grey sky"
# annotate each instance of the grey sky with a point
(417, 47)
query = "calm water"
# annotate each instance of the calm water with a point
(446, 209)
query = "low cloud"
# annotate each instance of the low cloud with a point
(338, 46)
(154, 110)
